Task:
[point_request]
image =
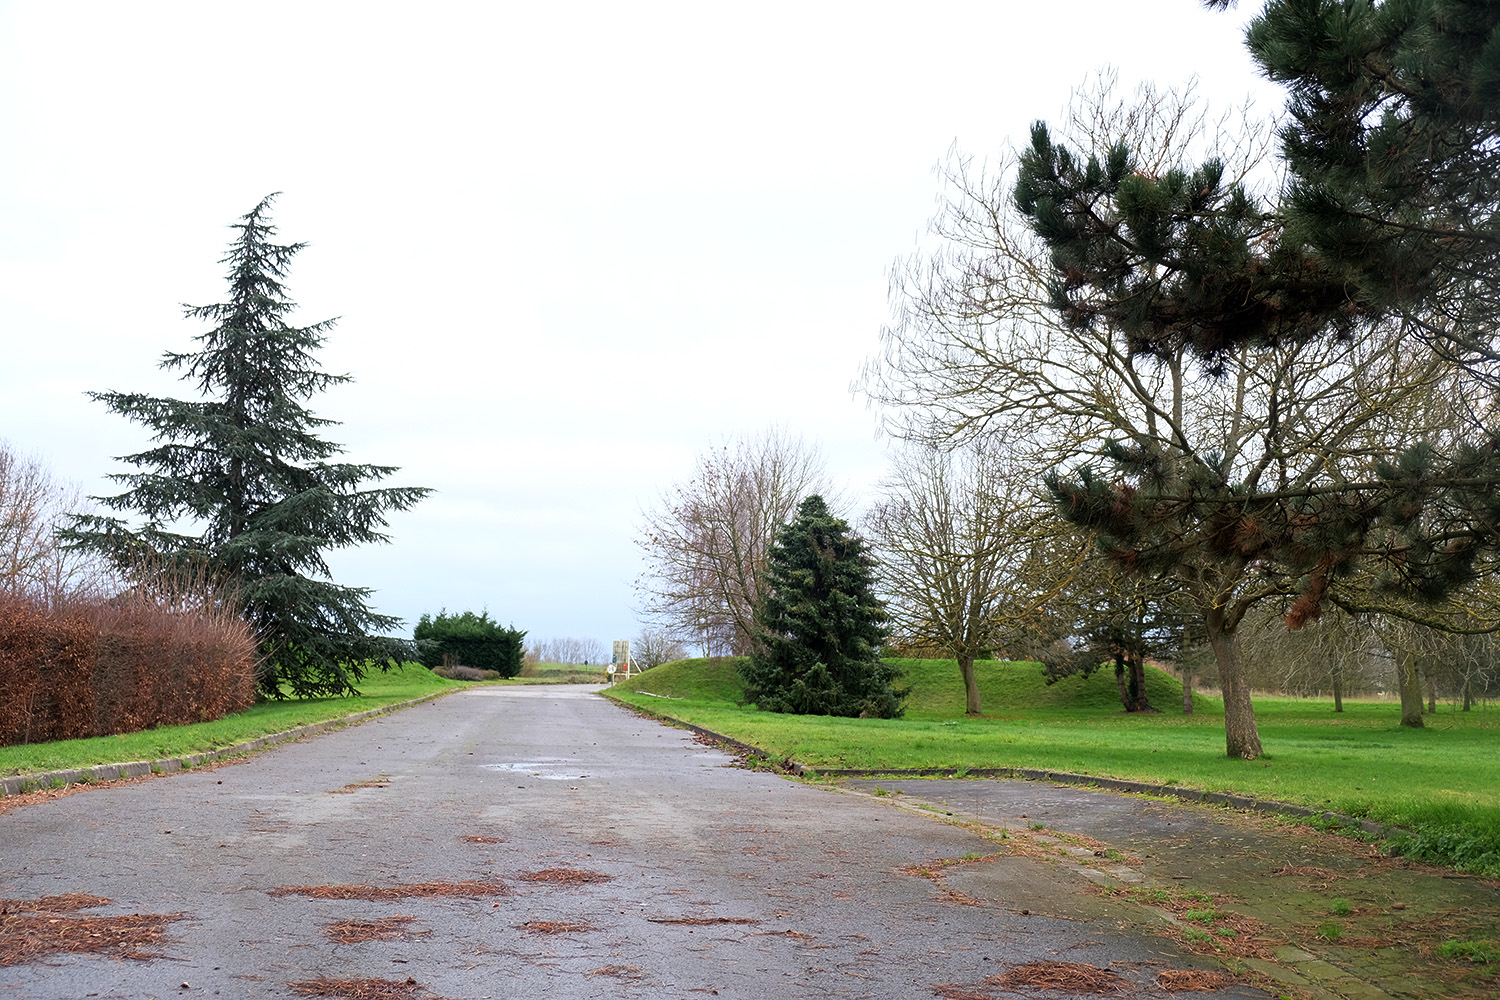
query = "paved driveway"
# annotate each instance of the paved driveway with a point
(632, 860)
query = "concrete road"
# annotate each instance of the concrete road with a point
(720, 880)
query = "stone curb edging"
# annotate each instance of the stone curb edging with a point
(17, 783)
(1057, 777)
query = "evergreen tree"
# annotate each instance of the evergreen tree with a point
(820, 626)
(469, 640)
(1388, 225)
(1120, 618)
(245, 463)
(1392, 143)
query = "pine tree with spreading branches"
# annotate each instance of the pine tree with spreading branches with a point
(240, 481)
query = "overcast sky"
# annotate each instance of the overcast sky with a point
(571, 246)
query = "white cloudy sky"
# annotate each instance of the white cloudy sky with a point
(571, 245)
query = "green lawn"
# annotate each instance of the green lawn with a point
(1441, 782)
(376, 691)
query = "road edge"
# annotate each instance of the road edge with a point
(18, 784)
(1192, 795)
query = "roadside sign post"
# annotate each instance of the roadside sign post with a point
(619, 664)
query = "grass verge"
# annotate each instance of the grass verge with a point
(377, 691)
(1440, 784)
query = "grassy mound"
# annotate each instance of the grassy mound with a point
(937, 688)
(709, 678)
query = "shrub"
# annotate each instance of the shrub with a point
(462, 673)
(468, 640)
(135, 661)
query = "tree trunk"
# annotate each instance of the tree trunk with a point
(1431, 695)
(971, 685)
(1468, 694)
(1139, 700)
(1187, 691)
(1241, 737)
(1409, 681)
(1338, 691)
(1120, 684)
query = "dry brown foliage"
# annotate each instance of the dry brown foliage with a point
(31, 929)
(470, 888)
(564, 876)
(70, 902)
(618, 971)
(357, 989)
(1307, 871)
(933, 870)
(1066, 977)
(1193, 980)
(93, 667)
(385, 929)
(556, 927)
(702, 921)
(958, 991)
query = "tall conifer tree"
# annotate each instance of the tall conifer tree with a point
(245, 466)
(820, 625)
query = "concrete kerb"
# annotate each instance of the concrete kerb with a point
(1267, 806)
(17, 783)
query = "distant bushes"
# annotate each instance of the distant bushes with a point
(468, 640)
(94, 667)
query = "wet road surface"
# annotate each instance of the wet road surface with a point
(622, 858)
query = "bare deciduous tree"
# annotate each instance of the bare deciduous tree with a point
(33, 503)
(568, 649)
(979, 348)
(653, 647)
(706, 540)
(963, 539)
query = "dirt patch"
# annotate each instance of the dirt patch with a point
(556, 927)
(358, 989)
(564, 876)
(471, 889)
(385, 929)
(355, 786)
(31, 929)
(476, 839)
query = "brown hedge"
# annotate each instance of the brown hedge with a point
(118, 666)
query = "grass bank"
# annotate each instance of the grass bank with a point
(377, 691)
(1441, 783)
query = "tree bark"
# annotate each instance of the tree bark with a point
(971, 685)
(1338, 691)
(1138, 685)
(1409, 682)
(1431, 695)
(1468, 694)
(1241, 737)
(1187, 691)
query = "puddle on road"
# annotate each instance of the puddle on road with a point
(539, 769)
